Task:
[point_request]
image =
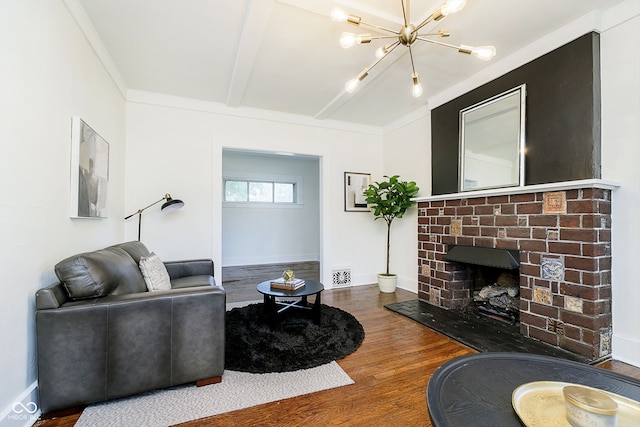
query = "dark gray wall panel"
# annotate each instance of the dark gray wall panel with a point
(563, 117)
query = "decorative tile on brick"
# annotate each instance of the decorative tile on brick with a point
(555, 202)
(456, 227)
(552, 269)
(426, 270)
(556, 326)
(605, 342)
(542, 295)
(573, 304)
(434, 296)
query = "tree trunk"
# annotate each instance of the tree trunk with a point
(388, 243)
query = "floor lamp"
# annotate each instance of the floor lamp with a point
(169, 205)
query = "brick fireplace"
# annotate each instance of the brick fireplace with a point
(562, 233)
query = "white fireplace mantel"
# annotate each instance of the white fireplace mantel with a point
(553, 186)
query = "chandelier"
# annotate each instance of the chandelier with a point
(408, 34)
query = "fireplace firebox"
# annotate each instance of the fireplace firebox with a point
(493, 276)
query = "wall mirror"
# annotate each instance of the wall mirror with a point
(492, 141)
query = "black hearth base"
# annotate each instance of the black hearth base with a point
(479, 332)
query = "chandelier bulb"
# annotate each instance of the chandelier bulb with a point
(338, 15)
(484, 52)
(452, 6)
(382, 51)
(352, 85)
(348, 40)
(417, 90)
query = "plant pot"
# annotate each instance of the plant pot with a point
(387, 282)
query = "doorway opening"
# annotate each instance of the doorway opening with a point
(266, 230)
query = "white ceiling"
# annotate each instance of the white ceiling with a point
(283, 55)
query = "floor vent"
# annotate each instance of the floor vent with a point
(341, 277)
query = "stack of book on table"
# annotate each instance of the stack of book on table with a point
(287, 285)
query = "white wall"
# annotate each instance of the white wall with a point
(620, 49)
(283, 232)
(407, 152)
(49, 74)
(193, 135)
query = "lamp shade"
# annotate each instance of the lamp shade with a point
(171, 204)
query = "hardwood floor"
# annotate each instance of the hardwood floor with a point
(240, 281)
(391, 370)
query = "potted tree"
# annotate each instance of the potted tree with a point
(389, 200)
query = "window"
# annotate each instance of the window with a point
(259, 191)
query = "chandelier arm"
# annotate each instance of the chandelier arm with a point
(440, 33)
(384, 37)
(413, 68)
(378, 27)
(406, 12)
(381, 58)
(393, 46)
(387, 49)
(440, 43)
(435, 16)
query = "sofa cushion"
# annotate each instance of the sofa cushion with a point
(109, 271)
(154, 273)
(135, 249)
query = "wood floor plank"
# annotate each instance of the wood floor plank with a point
(240, 281)
(390, 369)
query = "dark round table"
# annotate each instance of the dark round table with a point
(274, 307)
(475, 390)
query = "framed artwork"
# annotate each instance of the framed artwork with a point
(354, 185)
(89, 171)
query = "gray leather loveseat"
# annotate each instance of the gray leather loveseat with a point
(102, 335)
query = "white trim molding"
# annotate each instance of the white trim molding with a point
(538, 188)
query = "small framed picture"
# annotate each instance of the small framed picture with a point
(89, 171)
(354, 185)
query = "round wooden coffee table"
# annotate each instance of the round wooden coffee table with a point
(273, 307)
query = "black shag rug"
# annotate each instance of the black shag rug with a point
(294, 343)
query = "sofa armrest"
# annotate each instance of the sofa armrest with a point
(196, 267)
(53, 296)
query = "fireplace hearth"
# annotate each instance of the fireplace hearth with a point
(560, 237)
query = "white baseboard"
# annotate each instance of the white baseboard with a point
(626, 349)
(408, 284)
(24, 411)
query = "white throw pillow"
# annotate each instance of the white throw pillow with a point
(154, 273)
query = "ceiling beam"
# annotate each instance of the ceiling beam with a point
(343, 97)
(256, 19)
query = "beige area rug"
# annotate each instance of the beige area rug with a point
(238, 390)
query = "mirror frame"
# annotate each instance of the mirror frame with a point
(521, 91)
